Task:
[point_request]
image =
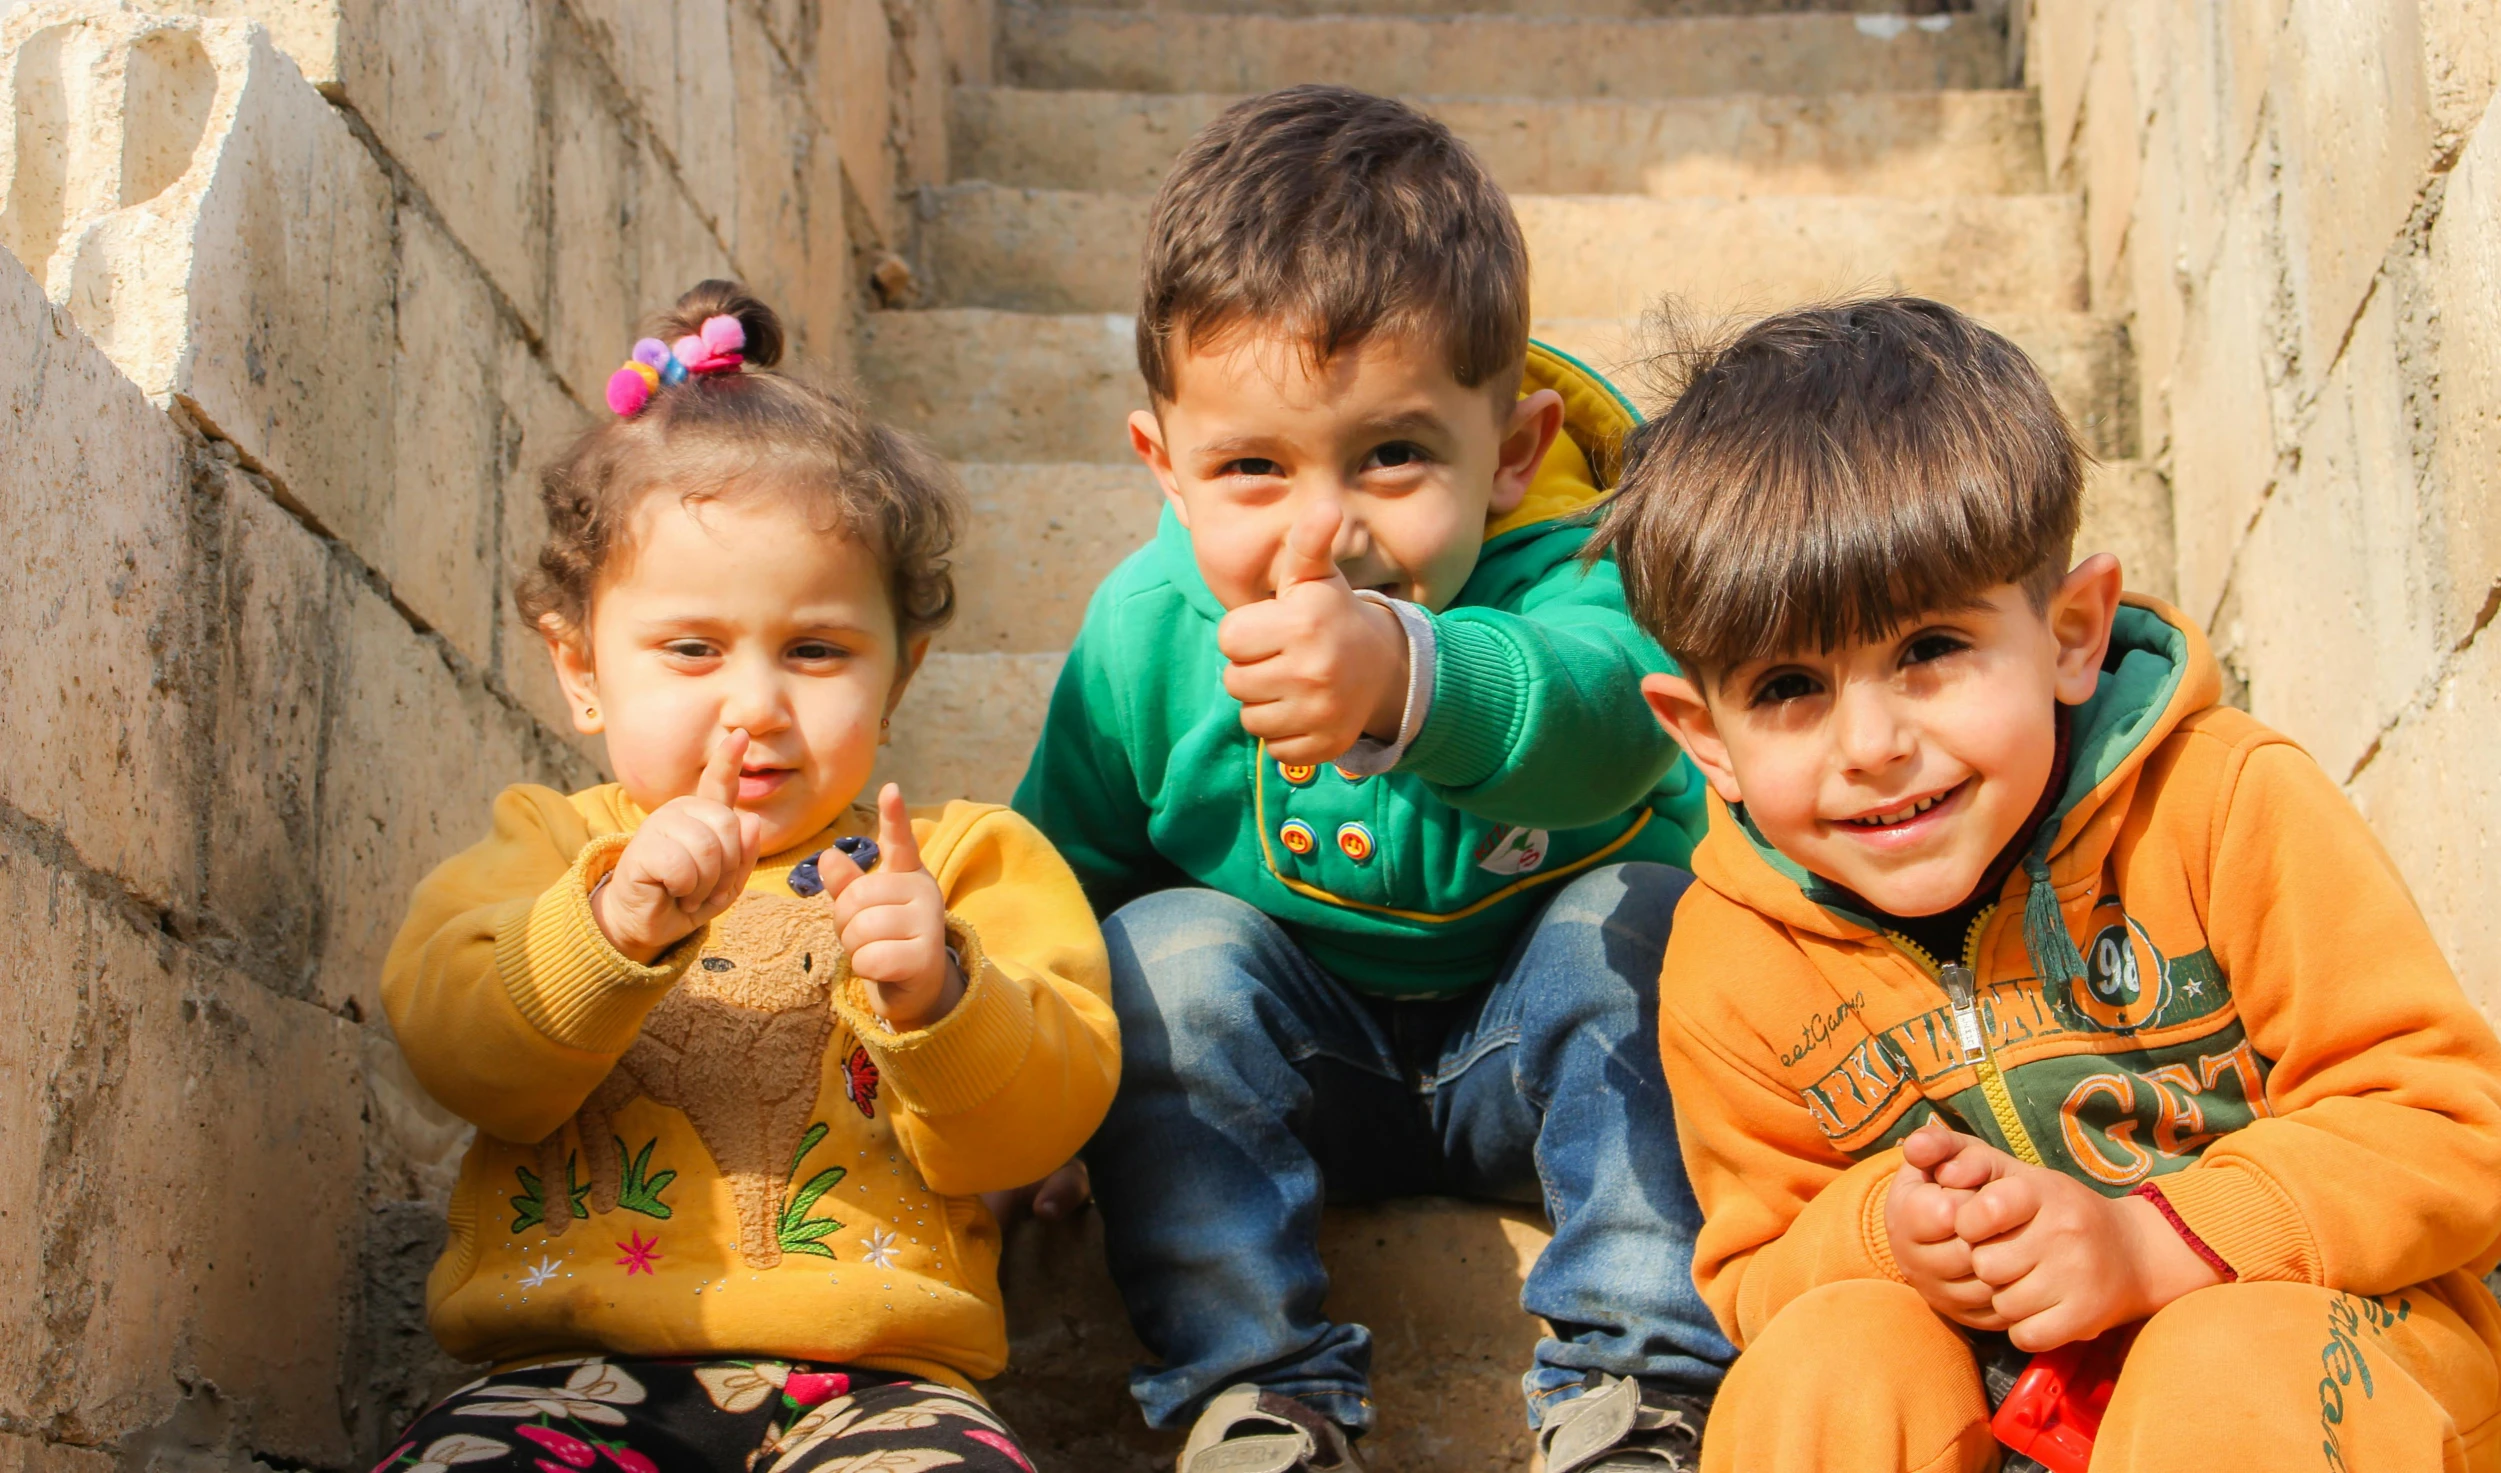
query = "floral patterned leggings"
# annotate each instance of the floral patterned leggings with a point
(682, 1416)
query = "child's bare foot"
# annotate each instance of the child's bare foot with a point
(1062, 1194)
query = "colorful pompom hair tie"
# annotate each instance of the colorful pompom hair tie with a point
(717, 347)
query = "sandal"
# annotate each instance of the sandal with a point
(1614, 1428)
(1247, 1430)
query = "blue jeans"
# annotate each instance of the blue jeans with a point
(1254, 1083)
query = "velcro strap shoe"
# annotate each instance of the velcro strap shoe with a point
(1611, 1428)
(1247, 1430)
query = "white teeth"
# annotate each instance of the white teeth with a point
(1888, 820)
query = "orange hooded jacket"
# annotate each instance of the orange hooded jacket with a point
(2205, 971)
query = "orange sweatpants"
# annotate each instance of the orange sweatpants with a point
(1861, 1377)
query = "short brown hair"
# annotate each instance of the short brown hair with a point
(755, 430)
(1831, 472)
(1333, 214)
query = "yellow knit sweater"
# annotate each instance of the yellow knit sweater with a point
(725, 1152)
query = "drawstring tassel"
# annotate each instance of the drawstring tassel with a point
(2054, 957)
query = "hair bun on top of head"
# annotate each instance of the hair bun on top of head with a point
(719, 329)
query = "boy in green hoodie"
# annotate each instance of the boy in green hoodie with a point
(1353, 761)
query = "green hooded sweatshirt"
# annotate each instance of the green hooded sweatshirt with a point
(1538, 760)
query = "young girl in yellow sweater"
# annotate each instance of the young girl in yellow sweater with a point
(741, 1052)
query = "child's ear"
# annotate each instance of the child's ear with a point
(1146, 437)
(2080, 613)
(569, 649)
(1527, 434)
(1677, 703)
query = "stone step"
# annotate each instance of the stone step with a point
(966, 726)
(986, 385)
(1040, 537)
(1892, 143)
(1038, 250)
(1496, 55)
(1885, 13)
(983, 384)
(1437, 1281)
(2085, 358)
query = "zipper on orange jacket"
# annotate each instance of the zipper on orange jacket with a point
(1960, 979)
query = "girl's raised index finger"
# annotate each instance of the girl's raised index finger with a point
(720, 770)
(899, 851)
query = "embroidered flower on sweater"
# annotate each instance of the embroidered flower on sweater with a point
(878, 1248)
(638, 1256)
(546, 1268)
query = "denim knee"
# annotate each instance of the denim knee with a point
(1595, 953)
(1186, 962)
(1635, 901)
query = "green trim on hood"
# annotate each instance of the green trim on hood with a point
(1591, 374)
(2141, 672)
(1813, 886)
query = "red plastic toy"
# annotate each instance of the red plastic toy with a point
(2056, 1407)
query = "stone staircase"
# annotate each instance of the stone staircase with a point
(1740, 155)
(1736, 154)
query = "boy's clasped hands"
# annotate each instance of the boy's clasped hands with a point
(690, 861)
(1995, 1244)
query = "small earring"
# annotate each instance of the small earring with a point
(590, 713)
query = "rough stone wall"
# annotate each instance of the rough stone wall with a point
(2296, 204)
(299, 293)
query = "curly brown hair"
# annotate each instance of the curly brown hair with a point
(752, 430)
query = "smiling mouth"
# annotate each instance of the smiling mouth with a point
(1893, 818)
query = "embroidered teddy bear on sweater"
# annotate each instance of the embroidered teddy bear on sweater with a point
(739, 1046)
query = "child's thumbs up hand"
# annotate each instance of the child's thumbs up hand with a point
(1314, 667)
(1310, 551)
(894, 926)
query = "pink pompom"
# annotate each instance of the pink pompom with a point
(689, 350)
(724, 334)
(628, 392)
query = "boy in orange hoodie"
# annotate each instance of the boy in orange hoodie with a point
(2027, 991)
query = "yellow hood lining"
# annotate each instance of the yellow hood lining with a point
(1579, 470)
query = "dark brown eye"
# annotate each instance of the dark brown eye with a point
(1788, 685)
(718, 964)
(807, 961)
(1933, 647)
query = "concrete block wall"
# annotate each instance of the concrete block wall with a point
(299, 295)
(2296, 208)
